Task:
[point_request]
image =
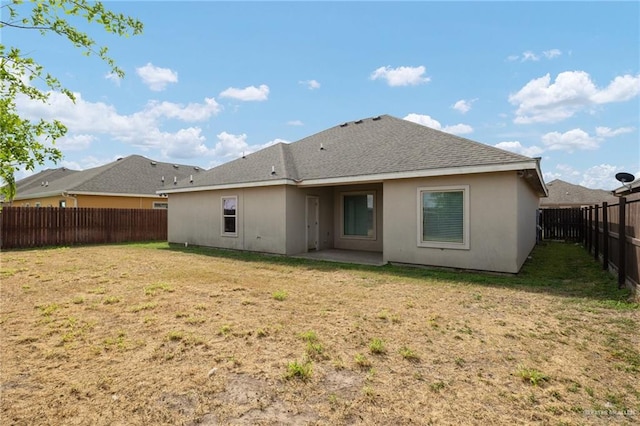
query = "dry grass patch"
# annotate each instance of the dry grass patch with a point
(145, 334)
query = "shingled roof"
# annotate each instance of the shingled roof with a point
(565, 194)
(370, 149)
(132, 175)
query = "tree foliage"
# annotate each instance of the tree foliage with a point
(24, 143)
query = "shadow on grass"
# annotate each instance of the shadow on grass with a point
(554, 268)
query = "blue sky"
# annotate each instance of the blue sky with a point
(208, 81)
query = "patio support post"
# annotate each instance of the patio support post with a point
(590, 230)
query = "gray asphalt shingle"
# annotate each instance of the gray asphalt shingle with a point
(371, 146)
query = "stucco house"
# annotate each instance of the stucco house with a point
(382, 184)
(129, 183)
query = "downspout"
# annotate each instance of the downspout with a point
(75, 199)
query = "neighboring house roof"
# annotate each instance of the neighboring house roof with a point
(371, 149)
(134, 175)
(563, 193)
(41, 179)
(632, 188)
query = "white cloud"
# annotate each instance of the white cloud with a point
(601, 177)
(141, 129)
(190, 113)
(576, 139)
(606, 132)
(458, 129)
(250, 93)
(463, 105)
(529, 56)
(534, 57)
(113, 77)
(230, 145)
(401, 76)
(542, 101)
(553, 53)
(156, 78)
(77, 142)
(311, 84)
(622, 88)
(295, 123)
(426, 120)
(518, 148)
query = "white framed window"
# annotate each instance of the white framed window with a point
(230, 216)
(160, 205)
(358, 215)
(443, 217)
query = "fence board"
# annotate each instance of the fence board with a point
(24, 227)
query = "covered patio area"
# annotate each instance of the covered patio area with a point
(345, 256)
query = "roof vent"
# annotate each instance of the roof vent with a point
(376, 118)
(196, 168)
(175, 166)
(321, 147)
(344, 125)
(154, 163)
(243, 156)
(358, 122)
(273, 170)
(119, 158)
(175, 180)
(162, 179)
(190, 178)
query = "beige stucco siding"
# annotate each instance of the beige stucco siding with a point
(527, 207)
(494, 223)
(196, 218)
(351, 243)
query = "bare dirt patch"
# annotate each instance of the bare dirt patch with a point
(147, 335)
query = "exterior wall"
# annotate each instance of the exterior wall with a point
(494, 223)
(349, 243)
(196, 218)
(296, 218)
(93, 201)
(528, 202)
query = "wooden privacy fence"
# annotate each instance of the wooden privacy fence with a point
(23, 227)
(612, 235)
(562, 224)
(611, 232)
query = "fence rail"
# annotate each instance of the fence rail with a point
(23, 227)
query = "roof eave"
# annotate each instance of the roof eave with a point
(275, 182)
(533, 164)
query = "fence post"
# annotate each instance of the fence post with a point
(590, 232)
(596, 234)
(605, 236)
(622, 241)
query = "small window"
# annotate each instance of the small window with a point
(358, 215)
(158, 205)
(62, 203)
(443, 217)
(230, 216)
(37, 204)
